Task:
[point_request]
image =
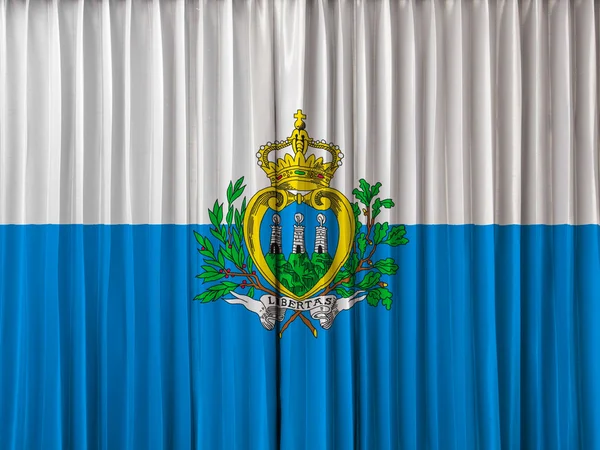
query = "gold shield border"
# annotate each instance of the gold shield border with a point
(321, 199)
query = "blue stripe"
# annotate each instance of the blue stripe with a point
(493, 341)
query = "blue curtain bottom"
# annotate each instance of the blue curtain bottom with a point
(492, 341)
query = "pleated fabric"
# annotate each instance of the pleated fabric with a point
(140, 111)
(122, 122)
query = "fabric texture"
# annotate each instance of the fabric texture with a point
(122, 122)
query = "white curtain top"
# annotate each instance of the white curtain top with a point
(143, 111)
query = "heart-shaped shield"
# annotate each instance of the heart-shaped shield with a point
(281, 271)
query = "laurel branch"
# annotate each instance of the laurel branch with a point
(229, 258)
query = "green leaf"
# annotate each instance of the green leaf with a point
(357, 224)
(380, 294)
(351, 281)
(344, 292)
(205, 253)
(236, 257)
(378, 204)
(251, 292)
(387, 302)
(209, 246)
(206, 247)
(209, 269)
(366, 188)
(216, 215)
(229, 192)
(225, 285)
(370, 280)
(229, 218)
(352, 263)
(217, 264)
(375, 189)
(228, 254)
(216, 291)
(237, 238)
(384, 292)
(385, 295)
(220, 213)
(221, 258)
(236, 194)
(213, 218)
(249, 264)
(360, 195)
(238, 219)
(340, 276)
(362, 243)
(217, 234)
(243, 210)
(356, 210)
(210, 276)
(387, 266)
(238, 184)
(233, 192)
(373, 298)
(376, 208)
(396, 236)
(206, 296)
(241, 256)
(380, 231)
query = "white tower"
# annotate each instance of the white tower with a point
(321, 235)
(275, 244)
(298, 246)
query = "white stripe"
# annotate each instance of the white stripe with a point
(142, 112)
(3, 110)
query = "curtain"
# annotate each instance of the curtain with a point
(438, 289)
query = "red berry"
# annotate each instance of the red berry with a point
(254, 272)
(243, 286)
(203, 249)
(243, 266)
(226, 276)
(228, 270)
(229, 245)
(220, 270)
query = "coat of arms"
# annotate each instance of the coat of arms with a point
(300, 243)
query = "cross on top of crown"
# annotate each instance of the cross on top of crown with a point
(299, 119)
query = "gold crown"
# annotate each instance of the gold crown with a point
(299, 172)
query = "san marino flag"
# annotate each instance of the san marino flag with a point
(321, 225)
